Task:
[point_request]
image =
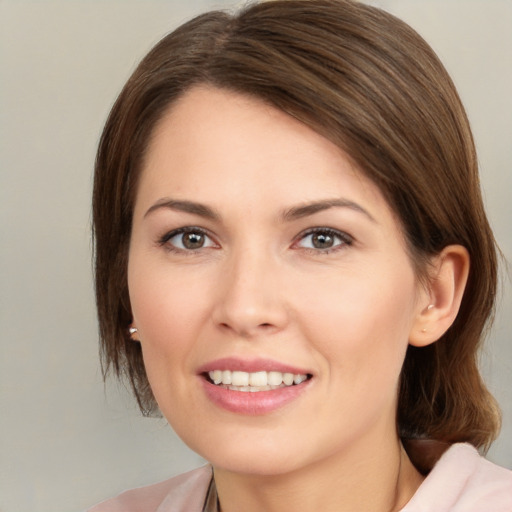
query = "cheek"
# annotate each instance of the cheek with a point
(361, 323)
(163, 300)
(167, 311)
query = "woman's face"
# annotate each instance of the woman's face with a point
(260, 254)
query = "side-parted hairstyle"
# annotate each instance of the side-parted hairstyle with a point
(370, 84)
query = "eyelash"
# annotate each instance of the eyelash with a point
(344, 238)
(164, 240)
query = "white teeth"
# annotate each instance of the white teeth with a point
(240, 378)
(256, 381)
(288, 379)
(217, 376)
(297, 379)
(226, 377)
(275, 378)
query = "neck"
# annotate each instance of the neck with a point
(382, 479)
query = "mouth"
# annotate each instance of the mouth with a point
(253, 387)
(253, 382)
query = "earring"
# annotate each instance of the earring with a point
(132, 330)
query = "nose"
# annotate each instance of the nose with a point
(251, 299)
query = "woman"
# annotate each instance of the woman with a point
(294, 266)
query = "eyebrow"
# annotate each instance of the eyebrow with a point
(184, 206)
(293, 213)
(298, 212)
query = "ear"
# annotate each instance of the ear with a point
(439, 302)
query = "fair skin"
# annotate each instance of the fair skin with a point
(257, 246)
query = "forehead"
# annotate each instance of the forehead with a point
(225, 124)
(214, 143)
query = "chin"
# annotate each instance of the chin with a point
(246, 454)
(263, 465)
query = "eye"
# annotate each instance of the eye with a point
(324, 239)
(187, 239)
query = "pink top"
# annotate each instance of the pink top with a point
(461, 481)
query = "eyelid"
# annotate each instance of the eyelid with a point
(346, 239)
(169, 235)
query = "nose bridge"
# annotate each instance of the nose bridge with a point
(250, 298)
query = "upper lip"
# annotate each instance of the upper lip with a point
(250, 366)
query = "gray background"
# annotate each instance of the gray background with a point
(66, 441)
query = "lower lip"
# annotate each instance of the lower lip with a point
(253, 403)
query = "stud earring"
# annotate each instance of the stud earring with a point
(133, 334)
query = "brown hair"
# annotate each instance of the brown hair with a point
(369, 83)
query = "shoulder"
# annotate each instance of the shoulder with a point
(463, 481)
(183, 493)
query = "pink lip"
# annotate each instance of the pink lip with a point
(250, 365)
(251, 403)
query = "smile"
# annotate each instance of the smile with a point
(253, 386)
(254, 381)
